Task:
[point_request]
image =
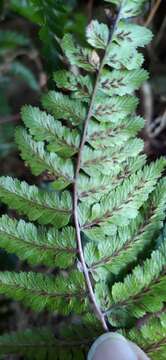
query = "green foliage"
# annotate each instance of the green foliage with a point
(48, 247)
(81, 86)
(11, 40)
(152, 336)
(62, 106)
(40, 12)
(21, 71)
(6, 131)
(54, 18)
(12, 45)
(42, 344)
(34, 344)
(84, 58)
(40, 160)
(143, 290)
(42, 126)
(105, 207)
(38, 291)
(129, 8)
(112, 254)
(39, 205)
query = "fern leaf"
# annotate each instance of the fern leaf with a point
(97, 35)
(151, 336)
(24, 73)
(132, 35)
(84, 58)
(36, 204)
(113, 134)
(122, 82)
(122, 204)
(108, 109)
(114, 205)
(108, 162)
(129, 8)
(92, 190)
(31, 343)
(10, 40)
(124, 56)
(45, 292)
(81, 87)
(114, 254)
(38, 246)
(44, 127)
(143, 291)
(72, 341)
(61, 106)
(40, 160)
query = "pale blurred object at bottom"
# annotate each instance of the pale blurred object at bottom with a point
(113, 346)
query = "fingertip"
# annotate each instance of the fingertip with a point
(111, 346)
(138, 351)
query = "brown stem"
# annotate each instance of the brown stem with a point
(147, 317)
(96, 307)
(160, 34)
(90, 10)
(153, 12)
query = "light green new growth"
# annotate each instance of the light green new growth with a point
(99, 218)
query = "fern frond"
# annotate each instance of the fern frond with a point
(10, 40)
(61, 106)
(114, 205)
(121, 205)
(62, 294)
(129, 7)
(40, 160)
(31, 343)
(97, 34)
(84, 58)
(38, 245)
(113, 134)
(113, 254)
(122, 82)
(43, 126)
(131, 61)
(24, 73)
(151, 335)
(81, 87)
(108, 109)
(72, 341)
(132, 35)
(36, 204)
(92, 190)
(143, 291)
(107, 161)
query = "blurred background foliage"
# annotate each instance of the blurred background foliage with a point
(30, 35)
